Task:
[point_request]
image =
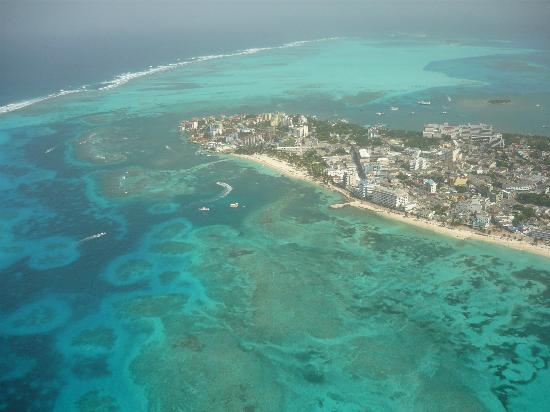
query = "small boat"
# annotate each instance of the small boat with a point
(544, 126)
(380, 114)
(424, 102)
(412, 113)
(443, 112)
(234, 205)
(394, 108)
(204, 209)
(538, 105)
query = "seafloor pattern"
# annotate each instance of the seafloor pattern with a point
(118, 294)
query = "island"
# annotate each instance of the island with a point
(467, 181)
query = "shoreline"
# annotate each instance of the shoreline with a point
(461, 232)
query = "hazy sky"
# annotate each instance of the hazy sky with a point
(95, 39)
(33, 18)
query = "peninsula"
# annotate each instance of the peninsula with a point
(467, 181)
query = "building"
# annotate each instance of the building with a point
(456, 155)
(540, 234)
(363, 189)
(481, 221)
(418, 163)
(477, 133)
(215, 129)
(364, 153)
(375, 132)
(393, 198)
(461, 181)
(300, 131)
(519, 187)
(432, 186)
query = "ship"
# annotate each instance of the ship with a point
(204, 209)
(424, 102)
(394, 108)
(234, 205)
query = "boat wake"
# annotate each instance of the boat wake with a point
(96, 236)
(127, 77)
(227, 188)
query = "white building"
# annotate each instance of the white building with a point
(481, 221)
(393, 198)
(431, 185)
(300, 131)
(482, 133)
(215, 129)
(363, 189)
(418, 163)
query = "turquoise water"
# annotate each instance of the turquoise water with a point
(283, 303)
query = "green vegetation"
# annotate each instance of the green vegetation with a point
(534, 199)
(345, 131)
(541, 143)
(524, 213)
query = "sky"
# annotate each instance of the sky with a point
(47, 43)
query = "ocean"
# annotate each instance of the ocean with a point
(120, 294)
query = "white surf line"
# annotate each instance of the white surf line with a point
(96, 236)
(124, 78)
(11, 107)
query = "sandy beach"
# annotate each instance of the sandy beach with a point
(460, 232)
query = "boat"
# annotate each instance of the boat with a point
(234, 205)
(380, 114)
(443, 112)
(538, 105)
(204, 209)
(394, 108)
(544, 126)
(412, 112)
(424, 102)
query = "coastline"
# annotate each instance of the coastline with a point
(460, 232)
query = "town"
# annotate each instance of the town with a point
(454, 175)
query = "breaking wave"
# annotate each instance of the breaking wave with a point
(24, 103)
(126, 77)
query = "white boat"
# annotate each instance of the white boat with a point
(234, 205)
(380, 114)
(394, 108)
(412, 112)
(538, 105)
(204, 209)
(443, 112)
(424, 102)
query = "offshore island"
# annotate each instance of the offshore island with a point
(467, 181)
